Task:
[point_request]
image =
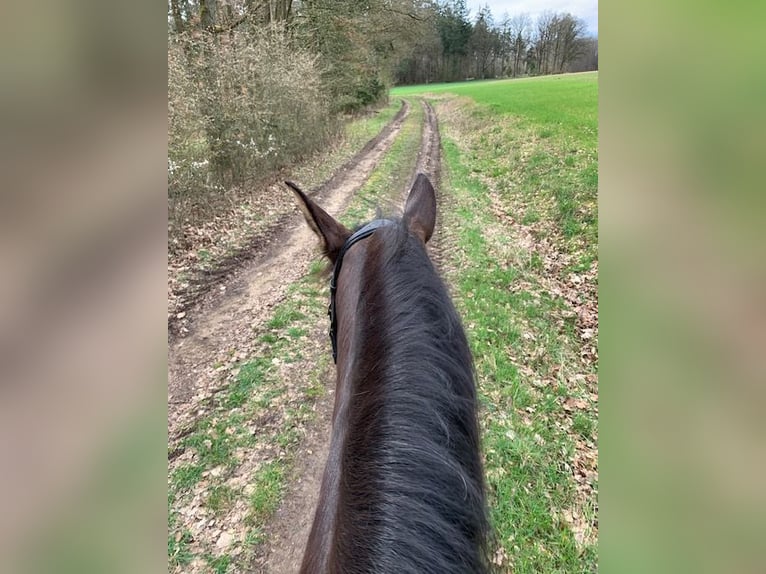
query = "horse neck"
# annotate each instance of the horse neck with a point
(319, 557)
(405, 392)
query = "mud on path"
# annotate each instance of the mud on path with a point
(429, 163)
(222, 323)
(199, 287)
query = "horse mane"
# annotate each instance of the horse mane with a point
(412, 493)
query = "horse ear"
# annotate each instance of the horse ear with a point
(332, 234)
(420, 209)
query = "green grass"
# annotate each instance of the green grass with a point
(523, 445)
(387, 183)
(220, 498)
(566, 101)
(523, 335)
(269, 485)
(257, 391)
(541, 140)
(284, 316)
(583, 424)
(250, 376)
(178, 548)
(548, 135)
(186, 476)
(218, 564)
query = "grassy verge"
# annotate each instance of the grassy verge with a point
(386, 185)
(231, 475)
(521, 230)
(236, 463)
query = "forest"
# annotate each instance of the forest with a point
(257, 85)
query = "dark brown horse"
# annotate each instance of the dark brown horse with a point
(402, 491)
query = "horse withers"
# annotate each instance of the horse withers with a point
(402, 491)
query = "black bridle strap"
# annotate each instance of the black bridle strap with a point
(357, 236)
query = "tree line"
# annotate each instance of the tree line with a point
(452, 46)
(254, 85)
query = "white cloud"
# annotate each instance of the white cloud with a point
(585, 9)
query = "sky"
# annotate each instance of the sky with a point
(585, 9)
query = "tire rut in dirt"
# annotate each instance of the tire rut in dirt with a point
(429, 156)
(202, 285)
(429, 163)
(226, 318)
(224, 322)
(289, 528)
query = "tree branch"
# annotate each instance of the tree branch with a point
(219, 29)
(409, 14)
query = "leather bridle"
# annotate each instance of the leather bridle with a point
(357, 236)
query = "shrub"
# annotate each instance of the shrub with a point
(240, 105)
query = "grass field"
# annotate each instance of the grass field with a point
(520, 186)
(567, 100)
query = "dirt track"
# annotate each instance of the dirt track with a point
(224, 320)
(222, 326)
(290, 527)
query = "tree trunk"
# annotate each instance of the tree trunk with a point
(178, 20)
(207, 13)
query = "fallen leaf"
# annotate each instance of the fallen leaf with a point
(224, 541)
(500, 557)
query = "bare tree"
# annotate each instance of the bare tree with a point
(178, 16)
(484, 44)
(518, 31)
(570, 32)
(588, 58)
(543, 40)
(558, 41)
